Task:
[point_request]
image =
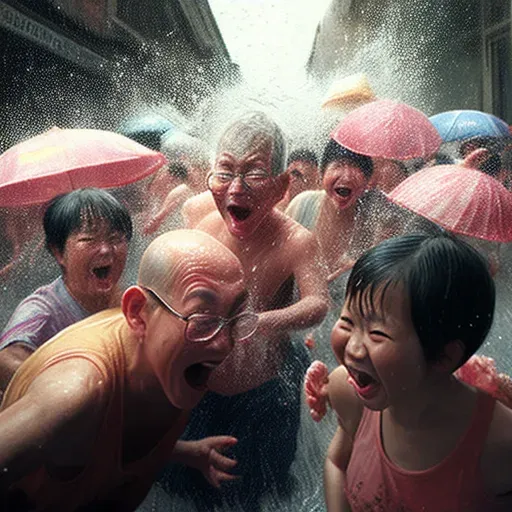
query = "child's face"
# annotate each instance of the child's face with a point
(344, 183)
(380, 348)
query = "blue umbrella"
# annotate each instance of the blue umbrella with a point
(146, 129)
(464, 124)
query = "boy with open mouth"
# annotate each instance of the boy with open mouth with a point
(87, 231)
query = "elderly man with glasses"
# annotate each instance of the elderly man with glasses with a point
(247, 181)
(91, 417)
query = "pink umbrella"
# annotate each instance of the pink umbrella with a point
(388, 129)
(58, 161)
(461, 200)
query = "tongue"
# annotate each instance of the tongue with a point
(239, 212)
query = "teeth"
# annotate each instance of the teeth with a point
(208, 364)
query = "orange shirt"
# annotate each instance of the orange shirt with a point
(374, 483)
(97, 339)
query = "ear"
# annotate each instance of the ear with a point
(451, 357)
(282, 183)
(57, 255)
(133, 305)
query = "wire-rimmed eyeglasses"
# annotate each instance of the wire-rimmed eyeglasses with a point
(203, 327)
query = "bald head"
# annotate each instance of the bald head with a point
(255, 132)
(176, 253)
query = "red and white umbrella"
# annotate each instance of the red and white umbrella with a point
(461, 200)
(58, 161)
(388, 129)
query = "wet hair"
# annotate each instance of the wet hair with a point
(335, 152)
(450, 290)
(303, 155)
(67, 213)
(252, 131)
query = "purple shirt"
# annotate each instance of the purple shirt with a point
(41, 316)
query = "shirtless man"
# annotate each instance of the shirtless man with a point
(93, 415)
(247, 182)
(265, 373)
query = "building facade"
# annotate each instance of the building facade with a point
(89, 63)
(435, 54)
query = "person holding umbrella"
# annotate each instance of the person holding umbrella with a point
(397, 137)
(87, 232)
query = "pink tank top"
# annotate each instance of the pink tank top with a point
(374, 483)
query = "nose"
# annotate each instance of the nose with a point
(105, 246)
(237, 186)
(223, 342)
(355, 348)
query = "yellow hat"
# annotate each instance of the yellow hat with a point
(349, 91)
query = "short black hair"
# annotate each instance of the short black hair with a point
(448, 284)
(303, 155)
(336, 152)
(66, 213)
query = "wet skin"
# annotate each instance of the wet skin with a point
(303, 176)
(92, 262)
(425, 410)
(271, 248)
(65, 404)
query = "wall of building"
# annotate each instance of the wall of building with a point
(97, 61)
(425, 52)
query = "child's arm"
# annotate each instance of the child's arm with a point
(335, 466)
(349, 409)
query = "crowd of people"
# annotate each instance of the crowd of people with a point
(189, 374)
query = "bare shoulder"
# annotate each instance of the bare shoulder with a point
(497, 454)
(212, 223)
(56, 419)
(197, 207)
(294, 233)
(296, 203)
(344, 401)
(73, 387)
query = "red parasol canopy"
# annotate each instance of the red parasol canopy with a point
(461, 200)
(388, 129)
(58, 161)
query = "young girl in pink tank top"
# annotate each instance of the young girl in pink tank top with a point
(412, 437)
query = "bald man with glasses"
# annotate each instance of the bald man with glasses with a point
(90, 418)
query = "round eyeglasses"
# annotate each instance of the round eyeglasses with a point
(202, 327)
(219, 181)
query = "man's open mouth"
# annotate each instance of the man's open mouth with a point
(102, 272)
(197, 375)
(343, 191)
(239, 213)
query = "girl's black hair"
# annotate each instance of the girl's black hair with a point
(336, 152)
(66, 213)
(448, 284)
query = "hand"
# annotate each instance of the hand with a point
(206, 456)
(315, 387)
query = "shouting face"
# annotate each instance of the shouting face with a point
(92, 262)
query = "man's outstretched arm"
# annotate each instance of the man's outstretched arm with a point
(61, 408)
